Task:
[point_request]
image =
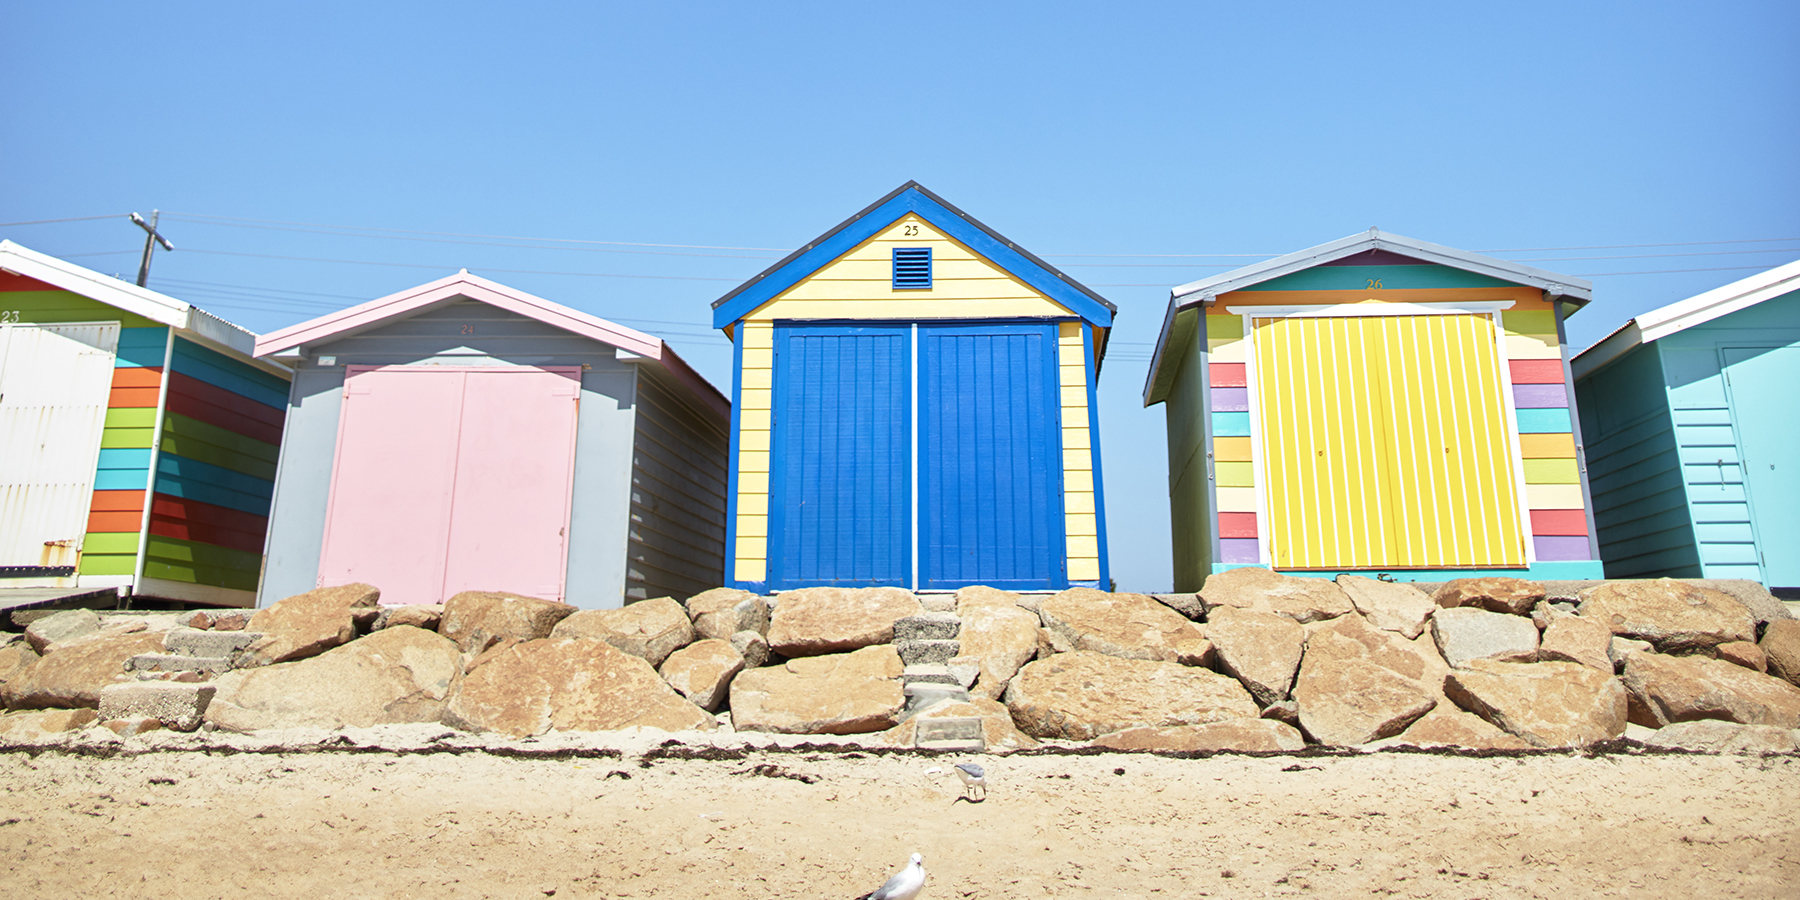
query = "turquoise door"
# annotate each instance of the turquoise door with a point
(1766, 413)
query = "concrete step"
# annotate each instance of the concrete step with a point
(194, 642)
(167, 662)
(925, 652)
(934, 673)
(928, 626)
(963, 734)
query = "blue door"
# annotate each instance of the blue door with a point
(990, 457)
(840, 490)
(1761, 381)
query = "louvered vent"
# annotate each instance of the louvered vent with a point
(912, 268)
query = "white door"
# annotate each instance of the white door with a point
(54, 382)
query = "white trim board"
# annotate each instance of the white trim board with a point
(1338, 310)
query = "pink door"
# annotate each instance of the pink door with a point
(451, 479)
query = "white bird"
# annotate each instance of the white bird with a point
(904, 885)
(974, 778)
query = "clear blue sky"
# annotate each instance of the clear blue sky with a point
(1256, 129)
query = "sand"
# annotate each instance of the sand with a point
(183, 824)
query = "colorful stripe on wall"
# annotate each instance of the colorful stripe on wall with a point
(116, 514)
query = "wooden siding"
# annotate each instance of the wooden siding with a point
(116, 516)
(677, 532)
(1190, 475)
(1640, 502)
(1080, 512)
(755, 402)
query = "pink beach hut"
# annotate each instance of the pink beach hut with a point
(464, 435)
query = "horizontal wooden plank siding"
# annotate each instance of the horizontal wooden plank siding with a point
(678, 484)
(116, 516)
(1640, 504)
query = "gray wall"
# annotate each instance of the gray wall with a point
(678, 485)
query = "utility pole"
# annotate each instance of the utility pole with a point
(151, 239)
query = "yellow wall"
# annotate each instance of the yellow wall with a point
(859, 285)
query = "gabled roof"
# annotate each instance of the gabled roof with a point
(1682, 315)
(123, 295)
(912, 197)
(463, 286)
(1202, 293)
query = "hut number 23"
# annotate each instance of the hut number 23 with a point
(9, 316)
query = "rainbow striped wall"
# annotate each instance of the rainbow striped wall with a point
(116, 514)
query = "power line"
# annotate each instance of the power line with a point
(503, 237)
(54, 221)
(440, 240)
(366, 262)
(1636, 246)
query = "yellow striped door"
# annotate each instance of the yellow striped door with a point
(1385, 443)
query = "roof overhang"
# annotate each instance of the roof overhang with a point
(1684, 314)
(295, 341)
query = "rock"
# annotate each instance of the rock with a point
(1548, 704)
(1781, 646)
(927, 626)
(209, 666)
(1447, 726)
(493, 652)
(1714, 736)
(1577, 640)
(1188, 605)
(476, 620)
(702, 671)
(1284, 711)
(930, 673)
(232, 620)
(1684, 688)
(938, 603)
(753, 647)
(922, 695)
(1389, 605)
(839, 693)
(73, 672)
(417, 615)
(132, 727)
(981, 595)
(1764, 607)
(1359, 684)
(722, 612)
(1464, 634)
(647, 629)
(1619, 648)
(199, 619)
(814, 621)
(580, 684)
(1237, 735)
(27, 726)
(1083, 694)
(1670, 614)
(1745, 654)
(180, 707)
(14, 657)
(399, 674)
(1513, 596)
(996, 724)
(1301, 599)
(63, 626)
(965, 669)
(1049, 642)
(916, 653)
(210, 644)
(1129, 626)
(308, 624)
(1001, 637)
(1261, 650)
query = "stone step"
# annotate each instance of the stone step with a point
(926, 652)
(177, 706)
(166, 662)
(922, 695)
(927, 626)
(194, 642)
(959, 734)
(933, 673)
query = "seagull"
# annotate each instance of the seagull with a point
(974, 778)
(904, 885)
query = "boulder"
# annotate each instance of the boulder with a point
(1714, 736)
(1465, 633)
(30, 726)
(73, 672)
(981, 595)
(1301, 599)
(581, 684)
(722, 612)
(14, 657)
(1129, 626)
(1781, 646)
(1389, 605)
(232, 619)
(1764, 607)
(417, 615)
(174, 705)
(1447, 726)
(815, 621)
(647, 629)
(1577, 640)
(398, 674)
(201, 619)
(63, 626)
(702, 671)
(1683, 688)
(476, 620)
(1619, 648)
(1083, 694)
(1261, 650)
(308, 624)
(1548, 704)
(1670, 614)
(1188, 605)
(1744, 653)
(838, 693)
(1236, 735)
(1513, 596)
(753, 647)
(1286, 711)
(1001, 637)
(1359, 684)
(997, 726)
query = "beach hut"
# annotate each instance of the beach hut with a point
(914, 406)
(137, 439)
(464, 435)
(1374, 405)
(1693, 425)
